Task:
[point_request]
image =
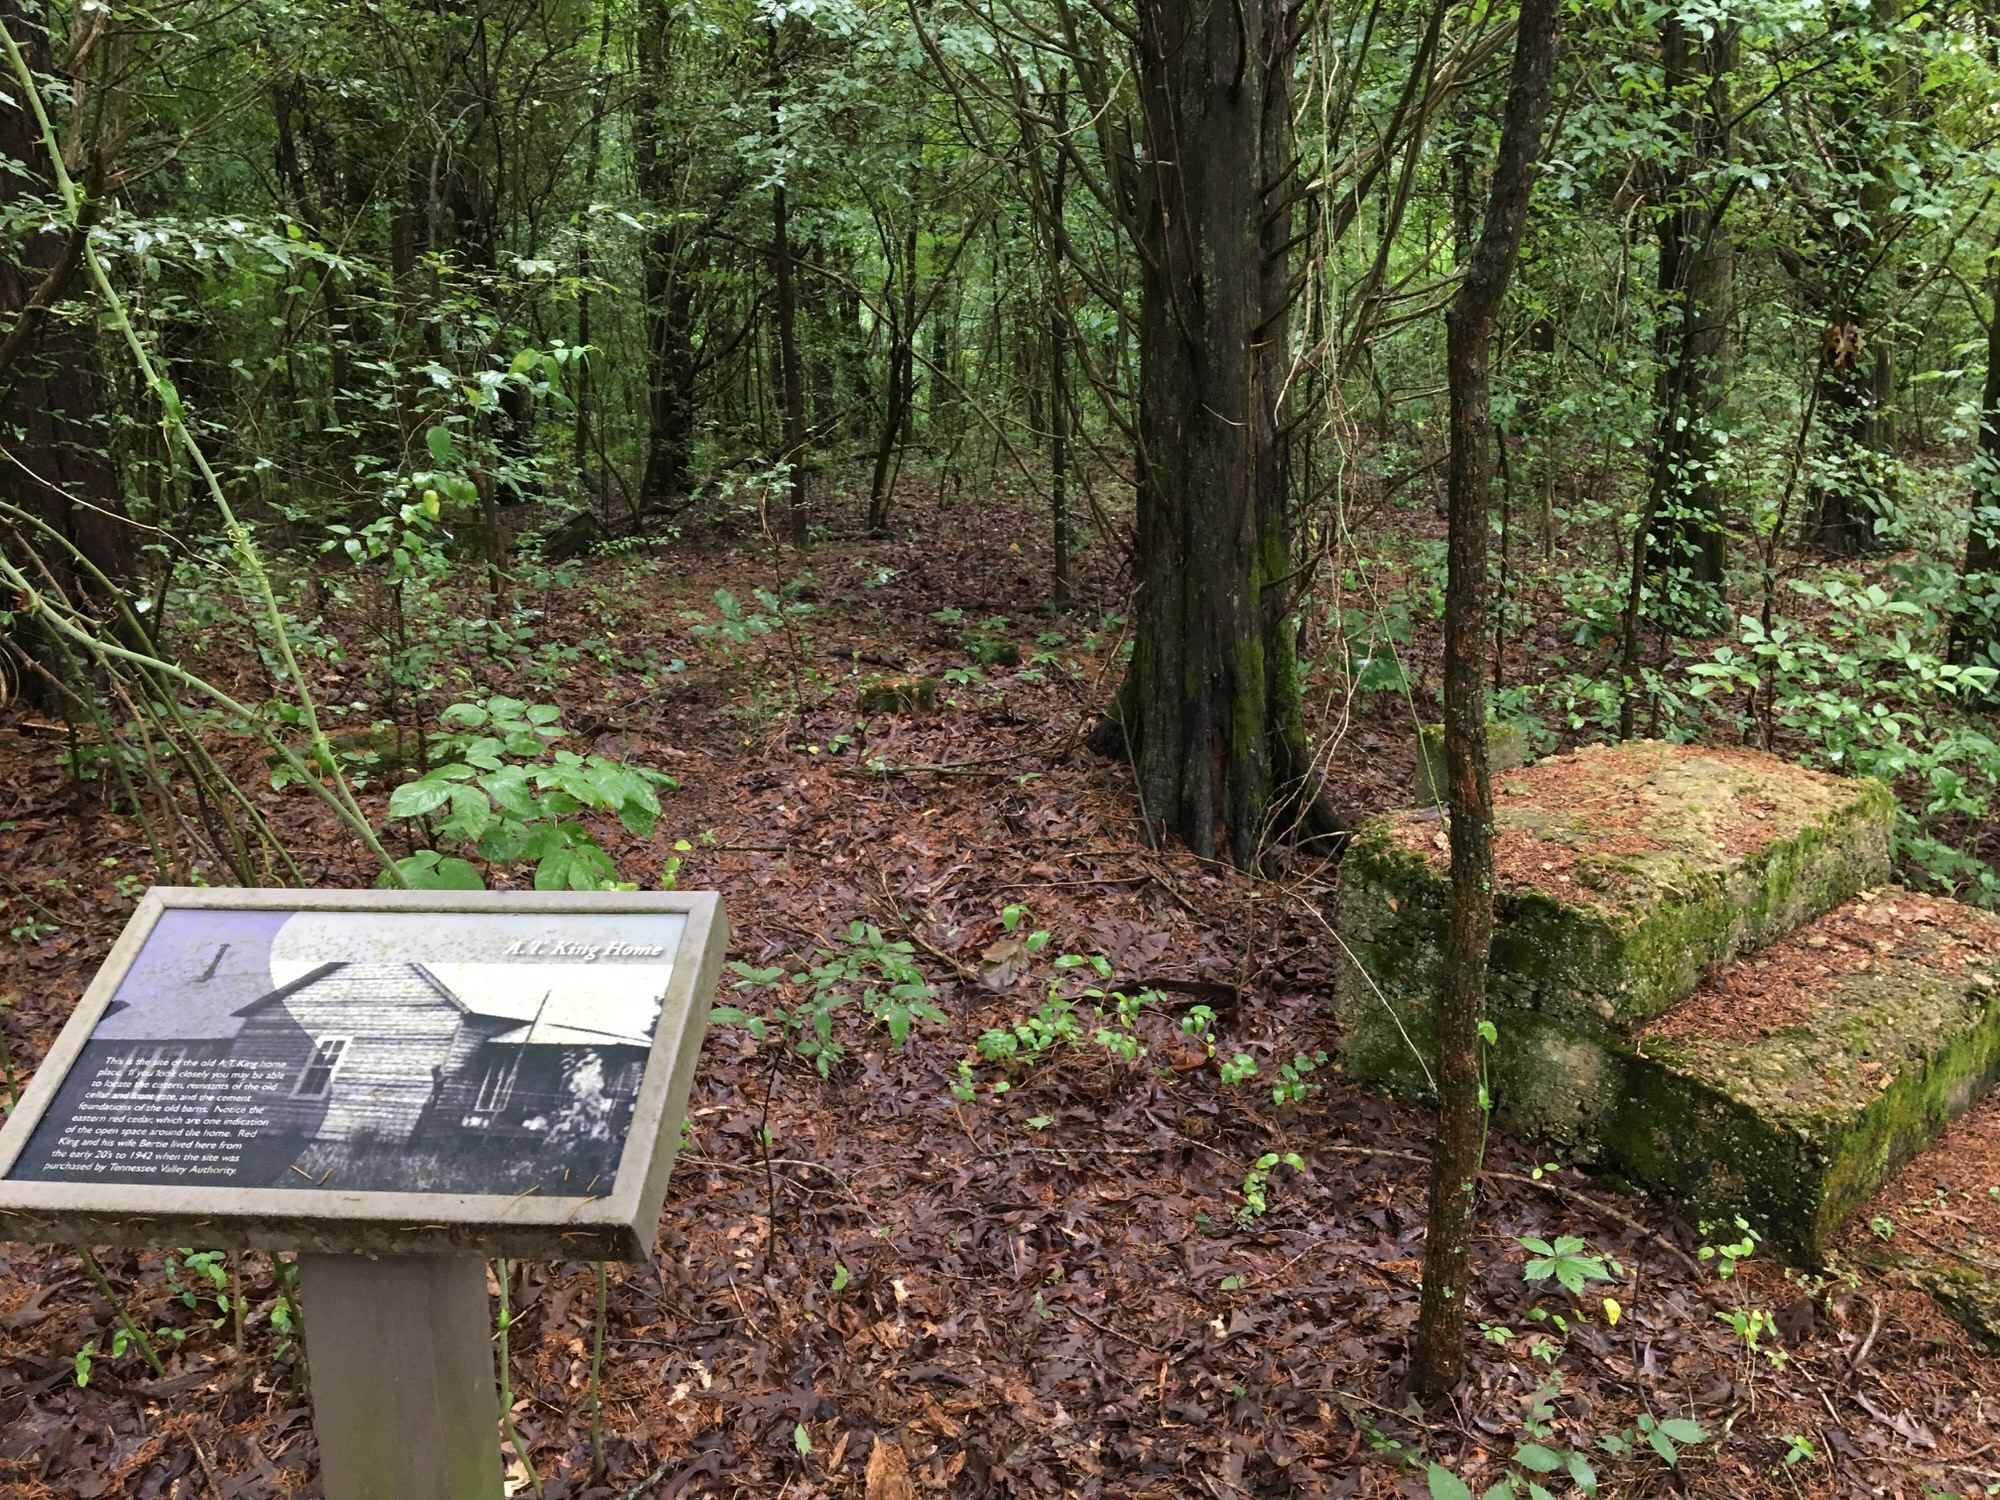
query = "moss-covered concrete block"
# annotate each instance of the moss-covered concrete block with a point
(878, 694)
(1624, 871)
(1970, 1297)
(1792, 1085)
(1937, 1224)
(1506, 750)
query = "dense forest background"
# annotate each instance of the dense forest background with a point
(995, 488)
(590, 274)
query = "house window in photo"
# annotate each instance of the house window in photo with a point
(497, 1087)
(318, 1075)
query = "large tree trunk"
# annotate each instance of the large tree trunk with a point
(1846, 502)
(1696, 272)
(1854, 501)
(1210, 706)
(1439, 1352)
(60, 476)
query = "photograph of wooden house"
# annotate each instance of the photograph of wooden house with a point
(495, 1075)
(447, 1086)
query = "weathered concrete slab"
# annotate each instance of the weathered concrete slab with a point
(1793, 1084)
(1624, 872)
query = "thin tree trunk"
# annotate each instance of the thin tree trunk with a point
(895, 434)
(668, 309)
(1975, 633)
(1439, 1352)
(585, 268)
(1058, 360)
(791, 376)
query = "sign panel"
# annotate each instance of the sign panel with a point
(472, 1063)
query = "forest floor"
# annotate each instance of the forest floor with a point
(1062, 1289)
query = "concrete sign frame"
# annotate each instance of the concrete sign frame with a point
(616, 1223)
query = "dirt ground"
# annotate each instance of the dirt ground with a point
(864, 1285)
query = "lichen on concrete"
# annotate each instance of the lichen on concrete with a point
(879, 694)
(1969, 1296)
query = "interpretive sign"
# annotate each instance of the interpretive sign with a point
(375, 1071)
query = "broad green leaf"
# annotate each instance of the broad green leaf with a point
(1584, 1475)
(552, 871)
(415, 798)
(470, 814)
(1534, 1456)
(427, 871)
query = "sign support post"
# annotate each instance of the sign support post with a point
(405, 1402)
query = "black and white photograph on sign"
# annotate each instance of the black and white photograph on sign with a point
(444, 1052)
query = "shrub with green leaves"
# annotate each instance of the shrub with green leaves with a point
(735, 626)
(509, 796)
(863, 968)
(1069, 1016)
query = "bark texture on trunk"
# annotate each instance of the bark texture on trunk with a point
(1210, 706)
(1696, 275)
(1853, 502)
(791, 374)
(1847, 501)
(1057, 356)
(1439, 1353)
(664, 270)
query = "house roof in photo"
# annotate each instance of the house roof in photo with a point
(358, 973)
(207, 997)
(545, 1033)
(192, 1002)
(568, 1005)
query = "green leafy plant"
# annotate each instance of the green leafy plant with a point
(1238, 1069)
(1292, 1086)
(1567, 1262)
(735, 626)
(511, 797)
(1728, 1255)
(863, 968)
(1665, 1437)
(1069, 1016)
(1257, 1184)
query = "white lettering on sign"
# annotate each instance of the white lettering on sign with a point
(589, 953)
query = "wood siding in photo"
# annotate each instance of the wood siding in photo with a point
(399, 1026)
